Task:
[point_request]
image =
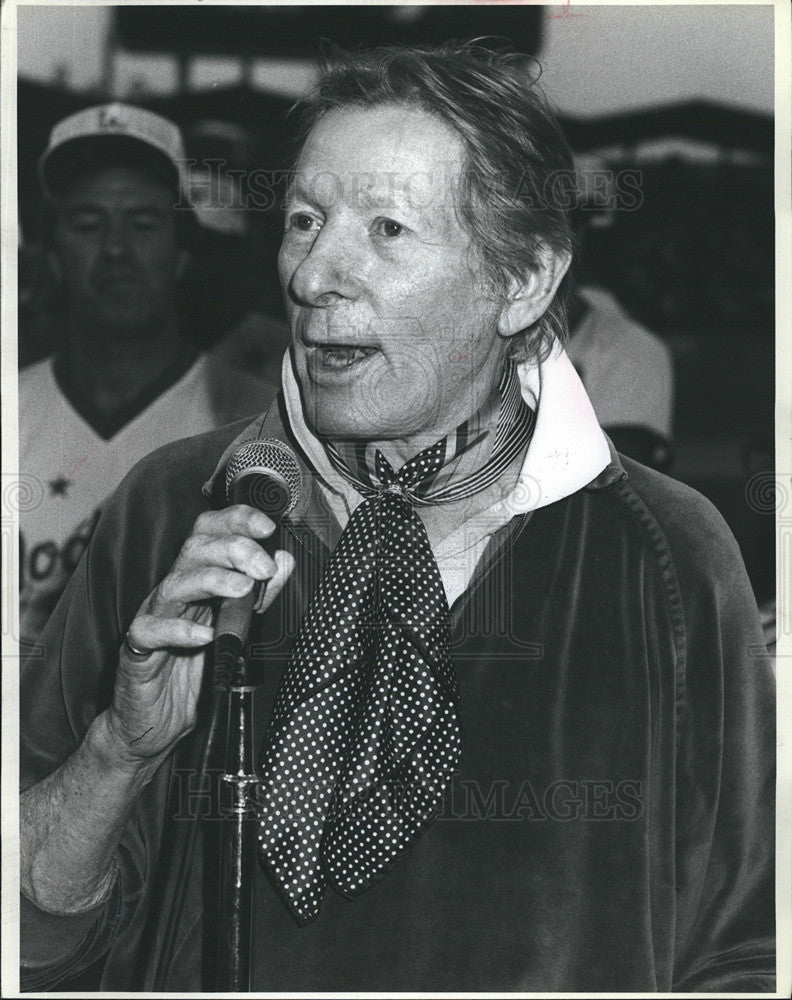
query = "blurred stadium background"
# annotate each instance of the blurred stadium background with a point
(684, 95)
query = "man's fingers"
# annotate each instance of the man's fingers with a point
(284, 562)
(220, 559)
(178, 590)
(148, 633)
(237, 520)
(229, 551)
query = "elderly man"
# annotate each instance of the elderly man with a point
(126, 376)
(522, 739)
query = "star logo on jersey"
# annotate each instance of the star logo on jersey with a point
(59, 486)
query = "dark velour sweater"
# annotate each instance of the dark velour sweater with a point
(611, 825)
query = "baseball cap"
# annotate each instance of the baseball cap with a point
(113, 134)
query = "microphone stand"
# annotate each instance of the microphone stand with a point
(264, 475)
(238, 833)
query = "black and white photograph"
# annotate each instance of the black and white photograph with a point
(396, 499)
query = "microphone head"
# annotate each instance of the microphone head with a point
(266, 475)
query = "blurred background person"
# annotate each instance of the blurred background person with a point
(627, 370)
(125, 377)
(628, 374)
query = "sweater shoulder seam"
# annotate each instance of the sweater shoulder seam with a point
(661, 549)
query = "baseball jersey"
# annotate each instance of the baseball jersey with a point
(67, 468)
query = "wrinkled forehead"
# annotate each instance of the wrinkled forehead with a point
(370, 156)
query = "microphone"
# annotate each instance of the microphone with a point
(263, 474)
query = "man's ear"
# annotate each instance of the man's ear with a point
(182, 260)
(54, 265)
(530, 297)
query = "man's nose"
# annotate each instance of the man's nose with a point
(328, 273)
(115, 244)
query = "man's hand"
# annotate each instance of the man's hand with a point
(156, 693)
(71, 822)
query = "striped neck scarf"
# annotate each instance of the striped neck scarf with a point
(367, 469)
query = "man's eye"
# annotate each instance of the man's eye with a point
(86, 224)
(146, 222)
(301, 221)
(388, 227)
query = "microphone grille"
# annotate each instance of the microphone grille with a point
(268, 457)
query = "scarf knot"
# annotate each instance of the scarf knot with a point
(365, 733)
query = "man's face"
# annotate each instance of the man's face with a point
(116, 251)
(394, 329)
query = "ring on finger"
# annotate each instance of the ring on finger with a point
(130, 648)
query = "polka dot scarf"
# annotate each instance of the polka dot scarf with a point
(365, 732)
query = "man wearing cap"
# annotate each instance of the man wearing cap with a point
(126, 377)
(519, 736)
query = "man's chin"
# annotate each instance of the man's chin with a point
(339, 424)
(365, 413)
(338, 429)
(130, 324)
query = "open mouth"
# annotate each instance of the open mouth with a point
(343, 357)
(339, 356)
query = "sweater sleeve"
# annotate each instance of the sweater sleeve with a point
(725, 927)
(54, 947)
(66, 681)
